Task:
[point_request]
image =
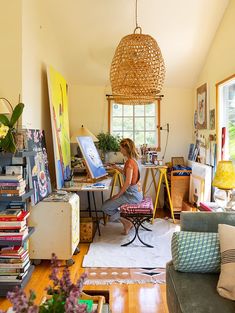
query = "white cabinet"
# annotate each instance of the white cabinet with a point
(56, 228)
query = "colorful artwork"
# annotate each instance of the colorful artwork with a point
(38, 173)
(196, 190)
(91, 156)
(202, 107)
(212, 119)
(58, 93)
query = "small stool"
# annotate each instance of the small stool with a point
(137, 214)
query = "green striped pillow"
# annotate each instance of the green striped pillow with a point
(196, 252)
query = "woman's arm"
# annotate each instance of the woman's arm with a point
(114, 166)
(127, 182)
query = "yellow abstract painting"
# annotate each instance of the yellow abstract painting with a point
(58, 94)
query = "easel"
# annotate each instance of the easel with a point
(117, 176)
(163, 173)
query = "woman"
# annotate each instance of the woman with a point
(131, 191)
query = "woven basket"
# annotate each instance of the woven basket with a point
(137, 71)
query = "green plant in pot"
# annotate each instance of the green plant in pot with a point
(7, 142)
(108, 143)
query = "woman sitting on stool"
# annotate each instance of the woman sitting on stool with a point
(131, 191)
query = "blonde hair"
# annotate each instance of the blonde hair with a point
(130, 148)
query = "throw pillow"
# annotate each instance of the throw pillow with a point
(196, 252)
(226, 283)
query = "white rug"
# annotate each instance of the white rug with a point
(106, 250)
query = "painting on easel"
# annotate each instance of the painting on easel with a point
(91, 156)
(58, 94)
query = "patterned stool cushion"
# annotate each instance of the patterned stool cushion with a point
(143, 207)
(196, 252)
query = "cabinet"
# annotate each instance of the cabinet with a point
(15, 265)
(179, 188)
(56, 220)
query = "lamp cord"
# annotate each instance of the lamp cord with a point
(166, 144)
(136, 18)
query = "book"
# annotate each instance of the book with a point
(11, 178)
(21, 217)
(10, 213)
(14, 169)
(6, 224)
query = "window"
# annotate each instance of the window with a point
(138, 122)
(226, 117)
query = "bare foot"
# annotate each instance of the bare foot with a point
(127, 225)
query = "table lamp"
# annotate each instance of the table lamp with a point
(225, 180)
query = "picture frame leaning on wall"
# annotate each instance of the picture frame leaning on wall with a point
(202, 107)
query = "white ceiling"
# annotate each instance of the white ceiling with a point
(89, 31)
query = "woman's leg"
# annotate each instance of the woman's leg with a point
(126, 224)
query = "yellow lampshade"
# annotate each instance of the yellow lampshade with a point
(224, 176)
(82, 131)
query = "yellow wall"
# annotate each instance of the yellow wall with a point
(10, 61)
(89, 107)
(220, 62)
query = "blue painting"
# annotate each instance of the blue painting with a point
(91, 156)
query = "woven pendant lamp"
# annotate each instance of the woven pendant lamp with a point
(137, 70)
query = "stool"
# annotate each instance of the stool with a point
(137, 214)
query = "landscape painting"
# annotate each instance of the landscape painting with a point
(39, 175)
(58, 94)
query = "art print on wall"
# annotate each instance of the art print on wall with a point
(39, 175)
(202, 107)
(212, 119)
(91, 156)
(58, 94)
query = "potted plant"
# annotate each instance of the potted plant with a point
(7, 141)
(108, 143)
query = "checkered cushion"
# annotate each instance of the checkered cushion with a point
(196, 252)
(143, 207)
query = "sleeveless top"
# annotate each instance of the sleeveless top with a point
(132, 163)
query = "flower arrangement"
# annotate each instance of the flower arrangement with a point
(63, 295)
(7, 141)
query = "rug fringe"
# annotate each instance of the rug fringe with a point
(122, 281)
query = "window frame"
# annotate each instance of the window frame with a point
(219, 85)
(157, 101)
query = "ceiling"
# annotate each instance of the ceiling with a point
(88, 32)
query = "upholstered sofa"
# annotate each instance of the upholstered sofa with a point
(196, 292)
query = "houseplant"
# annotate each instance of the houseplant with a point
(7, 142)
(63, 296)
(108, 143)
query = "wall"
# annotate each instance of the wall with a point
(10, 61)
(220, 62)
(88, 106)
(39, 49)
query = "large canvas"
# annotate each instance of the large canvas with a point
(38, 172)
(58, 93)
(91, 156)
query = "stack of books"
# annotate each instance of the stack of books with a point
(14, 264)
(12, 185)
(14, 260)
(13, 226)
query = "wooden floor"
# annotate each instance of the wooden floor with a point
(133, 298)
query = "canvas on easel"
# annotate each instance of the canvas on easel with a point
(91, 156)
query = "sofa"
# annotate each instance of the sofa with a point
(196, 292)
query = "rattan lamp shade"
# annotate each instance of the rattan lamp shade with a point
(137, 70)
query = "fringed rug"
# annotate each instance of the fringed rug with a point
(106, 250)
(108, 276)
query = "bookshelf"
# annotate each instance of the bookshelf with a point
(24, 267)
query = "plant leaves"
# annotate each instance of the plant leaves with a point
(4, 120)
(16, 114)
(8, 143)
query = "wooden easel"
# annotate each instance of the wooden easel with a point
(163, 174)
(117, 176)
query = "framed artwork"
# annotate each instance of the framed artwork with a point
(196, 190)
(91, 156)
(202, 107)
(58, 95)
(212, 119)
(39, 175)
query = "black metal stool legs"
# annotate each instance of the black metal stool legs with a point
(137, 221)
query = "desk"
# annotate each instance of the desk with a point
(163, 171)
(91, 189)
